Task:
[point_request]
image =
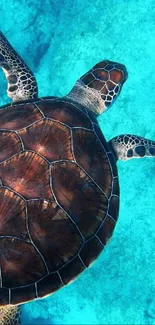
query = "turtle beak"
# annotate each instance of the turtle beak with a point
(122, 68)
(117, 72)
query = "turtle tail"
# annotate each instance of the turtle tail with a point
(10, 315)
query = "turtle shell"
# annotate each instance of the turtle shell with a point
(59, 196)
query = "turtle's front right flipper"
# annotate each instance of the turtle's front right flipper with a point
(21, 81)
(128, 146)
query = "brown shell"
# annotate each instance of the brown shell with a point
(59, 196)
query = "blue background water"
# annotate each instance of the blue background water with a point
(60, 41)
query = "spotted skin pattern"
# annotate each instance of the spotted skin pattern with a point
(10, 315)
(21, 82)
(128, 146)
(107, 78)
(100, 86)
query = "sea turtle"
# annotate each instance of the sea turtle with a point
(59, 190)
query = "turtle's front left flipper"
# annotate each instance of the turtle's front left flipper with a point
(22, 84)
(128, 146)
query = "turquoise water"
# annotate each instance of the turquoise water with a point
(60, 41)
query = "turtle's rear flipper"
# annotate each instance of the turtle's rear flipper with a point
(128, 146)
(10, 315)
(21, 81)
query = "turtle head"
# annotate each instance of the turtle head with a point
(100, 86)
